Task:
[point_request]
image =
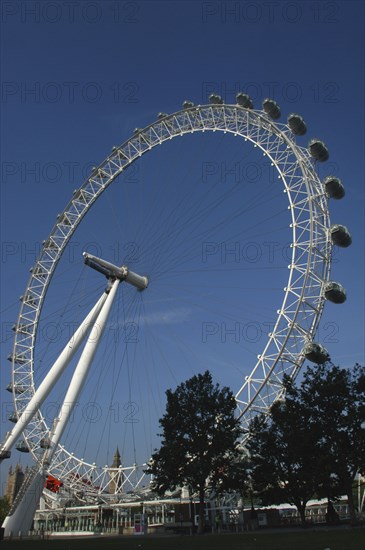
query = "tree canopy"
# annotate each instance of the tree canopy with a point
(312, 444)
(281, 456)
(335, 398)
(199, 438)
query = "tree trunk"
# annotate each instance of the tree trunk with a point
(201, 509)
(301, 509)
(332, 517)
(351, 505)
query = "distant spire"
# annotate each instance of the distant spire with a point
(117, 460)
(116, 477)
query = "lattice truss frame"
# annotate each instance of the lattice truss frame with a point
(303, 301)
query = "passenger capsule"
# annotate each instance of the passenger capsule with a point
(318, 150)
(23, 329)
(4, 454)
(63, 219)
(334, 292)
(49, 244)
(340, 235)
(22, 446)
(137, 130)
(13, 417)
(39, 272)
(244, 100)
(161, 115)
(18, 358)
(188, 104)
(297, 125)
(45, 443)
(17, 389)
(271, 108)
(28, 299)
(215, 99)
(334, 187)
(316, 353)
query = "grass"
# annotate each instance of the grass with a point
(321, 539)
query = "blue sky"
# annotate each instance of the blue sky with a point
(77, 80)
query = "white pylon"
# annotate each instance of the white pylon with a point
(51, 378)
(19, 520)
(80, 373)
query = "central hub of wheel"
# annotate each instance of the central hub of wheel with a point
(112, 271)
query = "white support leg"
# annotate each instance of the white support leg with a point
(20, 520)
(51, 378)
(80, 373)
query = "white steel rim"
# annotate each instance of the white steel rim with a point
(298, 316)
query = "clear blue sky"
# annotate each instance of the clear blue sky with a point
(76, 80)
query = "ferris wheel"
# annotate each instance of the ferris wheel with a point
(291, 339)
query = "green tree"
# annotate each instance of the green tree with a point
(282, 463)
(335, 397)
(313, 442)
(200, 434)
